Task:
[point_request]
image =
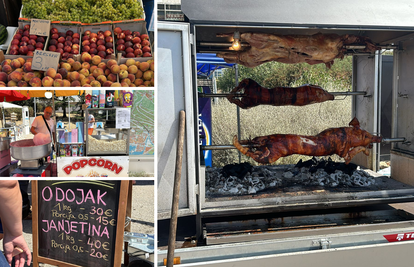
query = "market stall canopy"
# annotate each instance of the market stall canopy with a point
(41, 93)
(12, 95)
(208, 63)
(8, 105)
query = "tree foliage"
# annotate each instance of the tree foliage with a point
(274, 74)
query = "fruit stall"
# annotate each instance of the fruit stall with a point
(62, 43)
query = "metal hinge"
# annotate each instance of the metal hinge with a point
(191, 38)
(322, 243)
(197, 189)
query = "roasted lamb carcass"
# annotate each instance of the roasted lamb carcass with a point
(252, 94)
(312, 49)
(346, 142)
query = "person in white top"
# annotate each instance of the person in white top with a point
(39, 126)
(91, 124)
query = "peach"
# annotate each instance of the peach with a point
(110, 63)
(93, 67)
(86, 85)
(131, 77)
(38, 74)
(75, 83)
(124, 84)
(115, 69)
(51, 72)
(22, 84)
(58, 83)
(132, 85)
(7, 69)
(11, 83)
(63, 72)
(144, 66)
(2, 84)
(126, 80)
(86, 65)
(102, 65)
(101, 79)
(74, 75)
(27, 76)
(107, 72)
(15, 63)
(35, 82)
(27, 67)
(76, 65)
(58, 76)
(96, 60)
(66, 83)
(139, 82)
(123, 74)
(22, 61)
(66, 66)
(133, 69)
(147, 84)
(19, 70)
(85, 72)
(97, 72)
(123, 67)
(148, 75)
(81, 77)
(86, 57)
(95, 84)
(107, 84)
(15, 76)
(130, 62)
(111, 77)
(87, 80)
(152, 66)
(139, 74)
(70, 61)
(3, 77)
(47, 81)
(116, 85)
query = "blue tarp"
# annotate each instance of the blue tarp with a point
(208, 63)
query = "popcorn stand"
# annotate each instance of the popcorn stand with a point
(104, 152)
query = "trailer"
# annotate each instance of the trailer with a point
(371, 226)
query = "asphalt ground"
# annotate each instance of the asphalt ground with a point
(142, 214)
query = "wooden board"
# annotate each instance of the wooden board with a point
(78, 223)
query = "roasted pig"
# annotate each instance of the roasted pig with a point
(252, 94)
(346, 142)
(312, 49)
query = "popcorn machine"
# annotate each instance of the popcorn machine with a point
(107, 137)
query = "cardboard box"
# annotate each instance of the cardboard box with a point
(136, 25)
(104, 26)
(21, 25)
(64, 26)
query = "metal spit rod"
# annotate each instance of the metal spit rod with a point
(393, 140)
(223, 147)
(241, 95)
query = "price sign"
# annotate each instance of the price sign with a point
(79, 223)
(43, 60)
(40, 27)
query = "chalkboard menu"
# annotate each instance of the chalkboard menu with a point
(78, 223)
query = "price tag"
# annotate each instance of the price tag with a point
(40, 27)
(43, 60)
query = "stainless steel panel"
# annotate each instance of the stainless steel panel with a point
(381, 14)
(175, 93)
(405, 97)
(365, 108)
(31, 152)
